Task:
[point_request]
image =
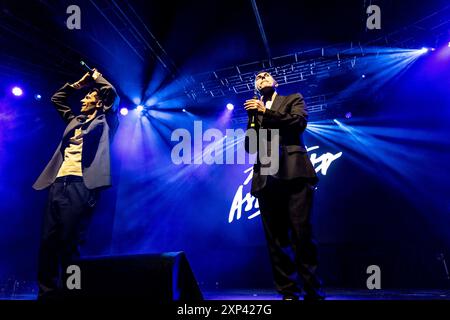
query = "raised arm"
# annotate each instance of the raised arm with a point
(59, 100)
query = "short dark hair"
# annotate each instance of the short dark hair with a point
(106, 95)
(261, 71)
(99, 94)
(94, 90)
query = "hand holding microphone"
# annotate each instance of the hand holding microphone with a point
(93, 72)
(253, 106)
(84, 81)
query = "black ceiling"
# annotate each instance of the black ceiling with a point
(186, 37)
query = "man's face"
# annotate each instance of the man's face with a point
(89, 102)
(264, 80)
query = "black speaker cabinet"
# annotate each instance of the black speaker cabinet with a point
(153, 277)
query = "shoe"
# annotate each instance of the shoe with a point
(316, 295)
(290, 296)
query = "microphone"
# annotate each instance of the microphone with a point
(253, 113)
(91, 71)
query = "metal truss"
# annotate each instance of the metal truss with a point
(286, 69)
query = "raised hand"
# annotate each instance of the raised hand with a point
(82, 82)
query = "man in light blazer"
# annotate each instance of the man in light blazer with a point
(75, 175)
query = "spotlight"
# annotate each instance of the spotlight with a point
(433, 49)
(348, 115)
(38, 97)
(184, 110)
(363, 76)
(423, 50)
(124, 111)
(139, 108)
(230, 106)
(448, 44)
(17, 91)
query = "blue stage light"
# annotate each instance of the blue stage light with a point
(230, 106)
(17, 91)
(184, 110)
(139, 108)
(37, 96)
(137, 100)
(124, 111)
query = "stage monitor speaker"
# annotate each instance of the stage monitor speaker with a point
(154, 277)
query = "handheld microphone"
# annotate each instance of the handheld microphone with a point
(91, 71)
(253, 113)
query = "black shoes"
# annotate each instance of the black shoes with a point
(316, 295)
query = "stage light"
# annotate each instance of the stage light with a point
(433, 49)
(17, 91)
(139, 108)
(38, 97)
(124, 111)
(363, 76)
(348, 115)
(137, 100)
(423, 50)
(448, 44)
(184, 110)
(230, 106)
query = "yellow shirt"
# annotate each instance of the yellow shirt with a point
(72, 156)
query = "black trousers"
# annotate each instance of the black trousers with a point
(286, 207)
(67, 215)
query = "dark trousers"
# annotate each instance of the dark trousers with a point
(67, 215)
(286, 207)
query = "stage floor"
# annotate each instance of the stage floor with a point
(331, 294)
(334, 294)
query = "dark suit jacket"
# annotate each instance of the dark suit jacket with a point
(97, 136)
(289, 116)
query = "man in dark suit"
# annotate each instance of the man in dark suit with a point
(285, 197)
(78, 170)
